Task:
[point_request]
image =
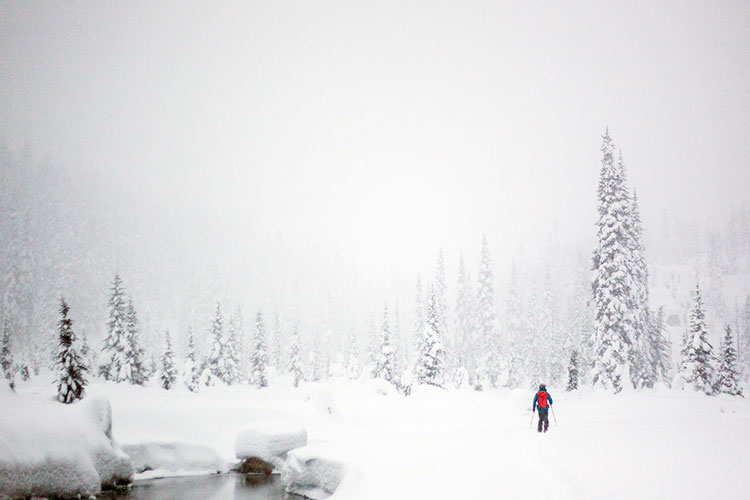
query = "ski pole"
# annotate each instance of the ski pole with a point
(532, 419)
(553, 414)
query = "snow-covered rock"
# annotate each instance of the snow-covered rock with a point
(312, 471)
(51, 449)
(170, 459)
(270, 440)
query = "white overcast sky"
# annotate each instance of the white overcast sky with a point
(374, 132)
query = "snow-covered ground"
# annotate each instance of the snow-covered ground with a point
(463, 444)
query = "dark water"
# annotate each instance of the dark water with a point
(214, 487)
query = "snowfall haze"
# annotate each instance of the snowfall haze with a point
(362, 137)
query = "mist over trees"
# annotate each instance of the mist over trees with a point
(561, 318)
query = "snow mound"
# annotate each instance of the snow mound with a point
(320, 399)
(381, 386)
(51, 449)
(171, 459)
(312, 472)
(427, 391)
(269, 440)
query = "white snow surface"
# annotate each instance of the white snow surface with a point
(48, 448)
(436, 444)
(170, 459)
(313, 471)
(270, 440)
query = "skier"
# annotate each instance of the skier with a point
(542, 400)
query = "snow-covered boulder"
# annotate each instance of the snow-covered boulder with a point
(269, 440)
(313, 472)
(50, 449)
(171, 459)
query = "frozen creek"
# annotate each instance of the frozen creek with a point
(214, 487)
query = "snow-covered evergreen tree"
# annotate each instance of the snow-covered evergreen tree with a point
(697, 368)
(191, 373)
(431, 357)
(168, 370)
(489, 369)
(353, 368)
(85, 351)
(132, 369)
(276, 343)
(612, 285)
(642, 364)
(659, 349)
(384, 363)
(216, 363)
(464, 334)
(113, 352)
(259, 356)
(72, 370)
(441, 295)
(514, 328)
(743, 354)
(232, 350)
(729, 375)
(419, 313)
(294, 365)
(6, 356)
(573, 372)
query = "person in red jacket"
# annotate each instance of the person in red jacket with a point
(542, 400)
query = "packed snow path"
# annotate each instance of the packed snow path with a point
(464, 444)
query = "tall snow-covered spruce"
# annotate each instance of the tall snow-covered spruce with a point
(217, 365)
(259, 355)
(384, 363)
(488, 366)
(465, 337)
(294, 366)
(72, 369)
(613, 282)
(573, 372)
(729, 374)
(697, 365)
(191, 374)
(6, 356)
(132, 370)
(353, 369)
(168, 370)
(431, 356)
(115, 343)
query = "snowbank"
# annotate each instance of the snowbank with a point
(173, 459)
(381, 386)
(312, 471)
(269, 440)
(51, 449)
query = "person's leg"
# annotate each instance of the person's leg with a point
(546, 421)
(541, 420)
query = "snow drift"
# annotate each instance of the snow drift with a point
(313, 472)
(170, 459)
(51, 449)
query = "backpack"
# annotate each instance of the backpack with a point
(541, 400)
